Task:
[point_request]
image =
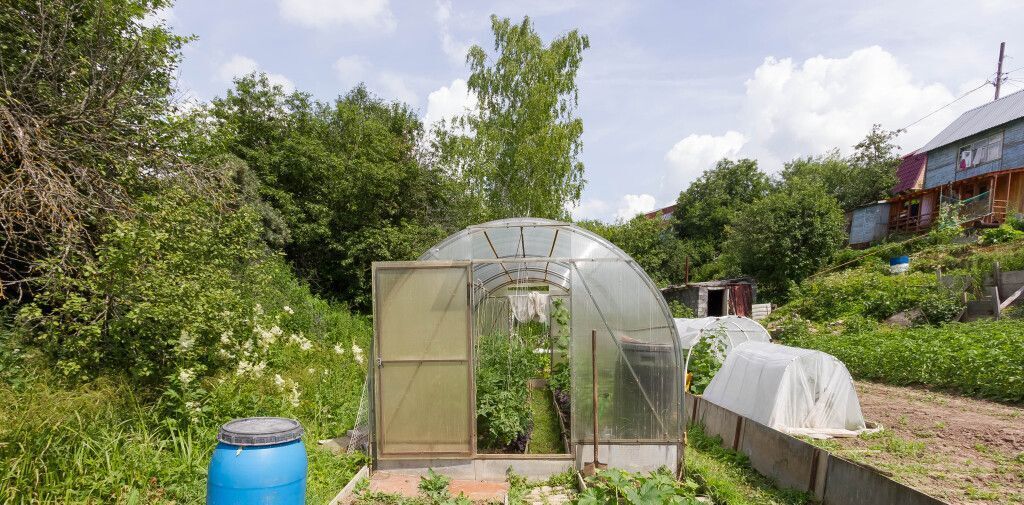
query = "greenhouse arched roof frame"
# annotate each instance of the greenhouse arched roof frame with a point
(553, 245)
(610, 294)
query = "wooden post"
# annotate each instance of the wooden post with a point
(997, 278)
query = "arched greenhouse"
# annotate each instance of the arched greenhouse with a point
(505, 300)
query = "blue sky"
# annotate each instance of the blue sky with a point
(666, 89)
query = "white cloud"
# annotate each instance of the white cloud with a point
(823, 103)
(239, 66)
(236, 66)
(456, 50)
(447, 102)
(635, 204)
(588, 208)
(793, 109)
(372, 14)
(279, 80)
(694, 154)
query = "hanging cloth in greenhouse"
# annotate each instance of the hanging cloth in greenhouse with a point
(793, 390)
(529, 307)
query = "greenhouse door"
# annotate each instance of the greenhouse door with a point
(423, 366)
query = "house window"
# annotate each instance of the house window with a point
(981, 152)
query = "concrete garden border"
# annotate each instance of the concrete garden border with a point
(795, 464)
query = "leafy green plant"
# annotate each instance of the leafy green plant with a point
(679, 310)
(704, 363)
(947, 224)
(618, 487)
(1004, 233)
(505, 365)
(1016, 222)
(869, 292)
(979, 358)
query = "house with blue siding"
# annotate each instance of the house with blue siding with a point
(977, 161)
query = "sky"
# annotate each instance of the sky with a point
(666, 88)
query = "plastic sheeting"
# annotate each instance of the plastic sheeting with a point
(796, 391)
(729, 331)
(639, 363)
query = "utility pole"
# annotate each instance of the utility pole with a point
(999, 68)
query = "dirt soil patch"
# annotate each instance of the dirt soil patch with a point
(961, 450)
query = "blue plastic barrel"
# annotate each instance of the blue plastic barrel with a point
(258, 460)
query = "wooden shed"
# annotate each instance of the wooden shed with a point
(716, 298)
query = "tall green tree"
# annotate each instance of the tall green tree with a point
(711, 202)
(650, 242)
(519, 151)
(786, 236)
(85, 123)
(865, 176)
(345, 177)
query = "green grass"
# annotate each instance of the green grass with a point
(727, 477)
(107, 442)
(547, 434)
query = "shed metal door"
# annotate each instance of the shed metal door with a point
(423, 367)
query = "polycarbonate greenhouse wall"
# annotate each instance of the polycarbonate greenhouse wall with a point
(639, 361)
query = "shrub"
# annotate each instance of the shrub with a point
(869, 293)
(101, 441)
(1004, 233)
(167, 287)
(980, 358)
(1016, 222)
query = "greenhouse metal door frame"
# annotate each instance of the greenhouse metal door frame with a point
(423, 358)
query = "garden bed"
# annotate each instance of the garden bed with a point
(961, 450)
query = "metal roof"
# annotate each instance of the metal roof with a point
(908, 174)
(979, 119)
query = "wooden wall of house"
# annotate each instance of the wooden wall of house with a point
(941, 168)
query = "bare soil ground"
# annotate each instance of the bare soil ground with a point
(958, 449)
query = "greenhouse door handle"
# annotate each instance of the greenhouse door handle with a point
(380, 363)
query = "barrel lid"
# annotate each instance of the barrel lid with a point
(256, 431)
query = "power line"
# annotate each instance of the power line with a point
(957, 99)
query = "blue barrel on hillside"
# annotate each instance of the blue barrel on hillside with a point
(258, 460)
(899, 264)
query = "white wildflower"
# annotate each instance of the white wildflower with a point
(225, 338)
(306, 345)
(276, 331)
(192, 406)
(258, 309)
(288, 310)
(258, 368)
(186, 340)
(357, 352)
(243, 367)
(294, 397)
(338, 349)
(185, 376)
(279, 381)
(311, 370)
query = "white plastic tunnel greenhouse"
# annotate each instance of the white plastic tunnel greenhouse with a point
(722, 333)
(793, 390)
(433, 316)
